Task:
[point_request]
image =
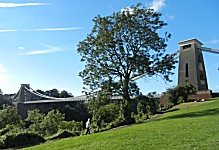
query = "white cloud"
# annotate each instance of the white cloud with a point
(2, 69)
(8, 30)
(214, 41)
(46, 29)
(54, 29)
(49, 49)
(127, 9)
(170, 17)
(157, 5)
(11, 5)
(21, 48)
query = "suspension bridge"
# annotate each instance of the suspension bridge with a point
(191, 68)
(190, 62)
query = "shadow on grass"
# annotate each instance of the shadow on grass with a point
(208, 112)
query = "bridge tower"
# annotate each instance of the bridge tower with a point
(24, 95)
(191, 64)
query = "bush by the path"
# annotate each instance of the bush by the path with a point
(62, 134)
(20, 139)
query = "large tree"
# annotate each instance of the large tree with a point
(120, 48)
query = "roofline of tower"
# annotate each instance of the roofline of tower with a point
(189, 41)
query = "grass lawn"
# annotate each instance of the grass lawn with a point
(189, 126)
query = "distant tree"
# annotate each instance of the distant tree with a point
(5, 99)
(109, 112)
(53, 93)
(146, 106)
(40, 91)
(9, 97)
(121, 47)
(64, 94)
(1, 95)
(185, 90)
(179, 94)
(101, 99)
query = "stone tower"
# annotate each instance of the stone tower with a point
(24, 95)
(191, 64)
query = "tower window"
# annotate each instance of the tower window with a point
(186, 46)
(201, 76)
(187, 70)
(199, 58)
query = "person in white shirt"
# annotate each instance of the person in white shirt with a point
(88, 126)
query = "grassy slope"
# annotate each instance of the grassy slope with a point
(187, 126)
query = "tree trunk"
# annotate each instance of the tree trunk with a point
(127, 105)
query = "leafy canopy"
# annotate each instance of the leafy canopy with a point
(123, 46)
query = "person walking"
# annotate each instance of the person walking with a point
(88, 126)
(99, 124)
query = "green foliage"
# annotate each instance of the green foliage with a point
(62, 134)
(102, 98)
(20, 139)
(45, 125)
(118, 122)
(193, 126)
(140, 118)
(146, 107)
(36, 118)
(179, 94)
(4, 130)
(9, 129)
(121, 47)
(75, 110)
(55, 93)
(52, 121)
(64, 93)
(72, 126)
(108, 113)
(9, 116)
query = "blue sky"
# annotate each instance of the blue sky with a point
(39, 39)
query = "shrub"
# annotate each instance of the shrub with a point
(11, 129)
(118, 122)
(107, 112)
(9, 115)
(73, 126)
(62, 134)
(45, 125)
(2, 142)
(20, 139)
(4, 131)
(180, 93)
(140, 118)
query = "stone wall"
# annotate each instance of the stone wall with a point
(199, 95)
(73, 110)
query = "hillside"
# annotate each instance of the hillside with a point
(186, 126)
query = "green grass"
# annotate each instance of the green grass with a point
(186, 127)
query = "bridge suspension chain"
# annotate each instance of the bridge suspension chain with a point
(78, 98)
(211, 50)
(141, 76)
(39, 94)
